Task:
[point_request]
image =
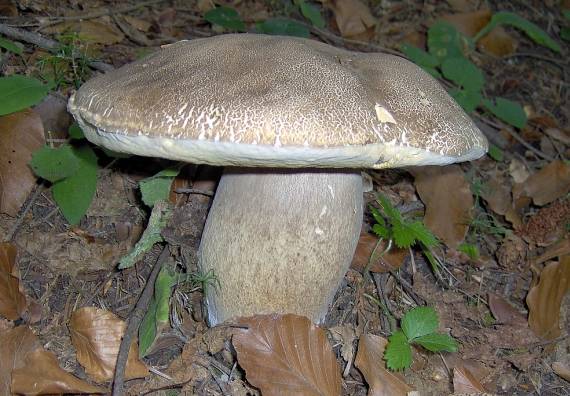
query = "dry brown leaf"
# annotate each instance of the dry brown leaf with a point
(465, 383)
(560, 248)
(561, 370)
(15, 345)
(389, 261)
(21, 134)
(12, 299)
(549, 183)
(353, 18)
(137, 23)
(287, 354)
(498, 196)
(345, 336)
(370, 361)
(498, 42)
(91, 31)
(544, 299)
(448, 200)
(518, 171)
(504, 312)
(41, 375)
(96, 335)
(469, 23)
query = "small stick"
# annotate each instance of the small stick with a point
(194, 191)
(135, 320)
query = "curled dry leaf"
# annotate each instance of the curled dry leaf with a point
(544, 299)
(353, 18)
(15, 344)
(21, 134)
(549, 183)
(41, 375)
(12, 299)
(287, 354)
(370, 361)
(464, 382)
(504, 312)
(386, 262)
(448, 200)
(96, 335)
(561, 370)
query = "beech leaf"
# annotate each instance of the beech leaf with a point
(12, 299)
(287, 354)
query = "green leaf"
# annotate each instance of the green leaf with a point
(468, 100)
(157, 187)
(419, 56)
(389, 210)
(282, 27)
(398, 354)
(382, 231)
(75, 131)
(20, 92)
(419, 321)
(11, 46)
(55, 164)
(312, 13)
(470, 250)
(437, 342)
(444, 41)
(422, 234)
(157, 315)
(496, 153)
(225, 17)
(74, 194)
(533, 31)
(463, 73)
(159, 217)
(507, 110)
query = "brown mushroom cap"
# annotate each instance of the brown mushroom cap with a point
(256, 100)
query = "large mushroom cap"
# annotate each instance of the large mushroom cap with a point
(257, 100)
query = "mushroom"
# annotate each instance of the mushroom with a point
(293, 121)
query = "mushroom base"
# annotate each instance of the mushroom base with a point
(280, 241)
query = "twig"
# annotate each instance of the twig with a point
(408, 288)
(16, 227)
(45, 43)
(135, 320)
(194, 191)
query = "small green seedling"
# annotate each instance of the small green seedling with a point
(419, 326)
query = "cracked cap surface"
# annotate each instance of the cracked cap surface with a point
(257, 100)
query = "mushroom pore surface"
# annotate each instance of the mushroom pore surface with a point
(280, 234)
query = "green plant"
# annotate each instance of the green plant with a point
(20, 92)
(447, 56)
(419, 326)
(68, 64)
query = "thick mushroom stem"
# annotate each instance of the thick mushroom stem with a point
(280, 241)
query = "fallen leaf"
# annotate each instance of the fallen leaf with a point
(469, 23)
(504, 312)
(498, 42)
(21, 134)
(559, 249)
(549, 183)
(41, 375)
(137, 23)
(55, 117)
(561, 370)
(96, 335)
(353, 18)
(465, 383)
(12, 299)
(345, 336)
(287, 354)
(381, 262)
(497, 194)
(518, 171)
(557, 134)
(448, 200)
(15, 344)
(370, 361)
(544, 299)
(91, 31)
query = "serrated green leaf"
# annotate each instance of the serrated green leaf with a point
(402, 236)
(312, 13)
(11, 46)
(75, 193)
(496, 153)
(445, 41)
(377, 215)
(468, 100)
(157, 187)
(422, 234)
(419, 321)
(419, 56)
(157, 315)
(54, 164)
(20, 92)
(225, 17)
(389, 210)
(437, 342)
(463, 73)
(159, 217)
(538, 35)
(75, 132)
(507, 110)
(398, 353)
(382, 231)
(283, 27)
